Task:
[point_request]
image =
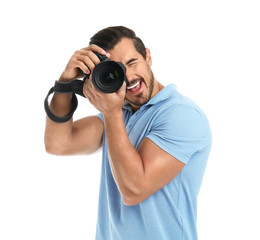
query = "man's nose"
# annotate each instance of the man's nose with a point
(129, 75)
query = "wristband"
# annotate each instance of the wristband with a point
(58, 89)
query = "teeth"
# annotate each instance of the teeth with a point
(133, 86)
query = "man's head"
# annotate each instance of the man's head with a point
(124, 46)
(107, 38)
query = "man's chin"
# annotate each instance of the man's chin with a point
(138, 100)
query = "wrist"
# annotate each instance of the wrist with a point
(62, 106)
(113, 115)
(64, 78)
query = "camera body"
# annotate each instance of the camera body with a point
(108, 76)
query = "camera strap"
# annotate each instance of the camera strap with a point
(73, 87)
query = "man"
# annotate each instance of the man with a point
(155, 143)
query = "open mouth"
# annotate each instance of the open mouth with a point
(133, 86)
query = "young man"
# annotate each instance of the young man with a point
(155, 143)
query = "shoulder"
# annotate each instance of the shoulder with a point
(182, 114)
(180, 127)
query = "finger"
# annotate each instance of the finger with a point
(81, 54)
(122, 90)
(82, 66)
(88, 94)
(93, 89)
(95, 48)
(89, 89)
(87, 61)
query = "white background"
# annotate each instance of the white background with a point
(209, 49)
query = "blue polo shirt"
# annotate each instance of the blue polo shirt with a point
(178, 126)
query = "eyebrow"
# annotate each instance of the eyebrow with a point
(131, 60)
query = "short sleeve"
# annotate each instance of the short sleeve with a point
(100, 116)
(181, 130)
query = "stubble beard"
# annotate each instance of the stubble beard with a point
(140, 99)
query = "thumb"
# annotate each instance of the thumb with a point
(122, 90)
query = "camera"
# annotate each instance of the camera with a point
(108, 76)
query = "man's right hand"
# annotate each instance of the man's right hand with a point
(83, 136)
(82, 62)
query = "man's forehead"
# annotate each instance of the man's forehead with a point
(123, 51)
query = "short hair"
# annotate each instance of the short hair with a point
(108, 37)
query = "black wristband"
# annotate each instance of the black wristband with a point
(55, 118)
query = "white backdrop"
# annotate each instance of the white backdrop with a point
(209, 49)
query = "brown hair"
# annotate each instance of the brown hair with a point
(108, 37)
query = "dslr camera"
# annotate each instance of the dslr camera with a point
(108, 76)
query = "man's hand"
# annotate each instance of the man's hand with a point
(109, 104)
(82, 61)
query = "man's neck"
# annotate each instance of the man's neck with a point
(157, 88)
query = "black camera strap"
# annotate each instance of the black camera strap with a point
(73, 87)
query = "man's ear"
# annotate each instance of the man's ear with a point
(148, 57)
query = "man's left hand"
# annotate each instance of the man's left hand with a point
(107, 103)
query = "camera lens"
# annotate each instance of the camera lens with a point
(108, 76)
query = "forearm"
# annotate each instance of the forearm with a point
(58, 135)
(126, 163)
(61, 104)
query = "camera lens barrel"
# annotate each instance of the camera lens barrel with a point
(108, 76)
